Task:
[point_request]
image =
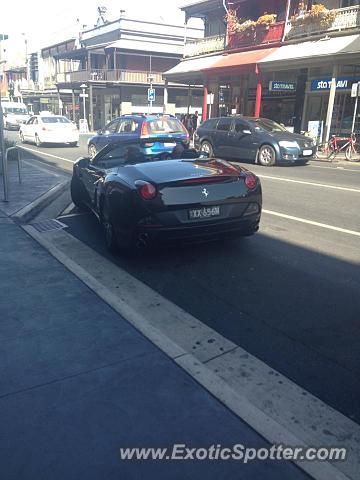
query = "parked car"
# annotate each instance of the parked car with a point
(49, 129)
(253, 139)
(14, 114)
(143, 199)
(139, 126)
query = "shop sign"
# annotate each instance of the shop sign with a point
(276, 86)
(342, 83)
(315, 129)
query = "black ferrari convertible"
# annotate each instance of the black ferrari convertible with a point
(142, 198)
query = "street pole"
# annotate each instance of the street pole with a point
(84, 99)
(355, 108)
(3, 168)
(151, 102)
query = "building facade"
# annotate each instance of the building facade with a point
(289, 60)
(107, 71)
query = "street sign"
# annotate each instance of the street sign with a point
(151, 94)
(277, 86)
(355, 90)
(84, 95)
(83, 125)
(210, 99)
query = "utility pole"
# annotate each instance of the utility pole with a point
(3, 166)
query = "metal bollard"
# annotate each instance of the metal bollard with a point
(6, 171)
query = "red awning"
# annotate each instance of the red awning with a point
(242, 62)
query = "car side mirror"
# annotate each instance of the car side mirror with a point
(246, 132)
(84, 162)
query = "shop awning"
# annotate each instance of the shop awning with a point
(191, 69)
(312, 51)
(241, 62)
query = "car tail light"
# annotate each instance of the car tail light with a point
(144, 130)
(147, 190)
(251, 181)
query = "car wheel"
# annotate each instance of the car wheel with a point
(22, 138)
(267, 156)
(110, 237)
(37, 140)
(92, 150)
(77, 191)
(207, 148)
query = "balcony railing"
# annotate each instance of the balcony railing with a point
(259, 35)
(99, 75)
(205, 45)
(346, 18)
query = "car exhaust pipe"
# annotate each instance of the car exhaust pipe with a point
(142, 241)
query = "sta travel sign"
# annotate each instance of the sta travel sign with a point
(282, 86)
(342, 83)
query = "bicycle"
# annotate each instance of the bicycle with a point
(336, 145)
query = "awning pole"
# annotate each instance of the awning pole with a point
(205, 104)
(258, 95)
(330, 104)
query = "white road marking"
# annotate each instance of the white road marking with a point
(47, 154)
(335, 168)
(311, 222)
(302, 182)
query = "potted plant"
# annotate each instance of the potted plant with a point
(318, 14)
(266, 19)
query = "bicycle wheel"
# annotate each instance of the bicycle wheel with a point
(352, 153)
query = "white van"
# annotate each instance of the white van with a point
(15, 113)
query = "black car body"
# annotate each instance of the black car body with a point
(143, 199)
(253, 139)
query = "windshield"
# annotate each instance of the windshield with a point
(139, 152)
(55, 119)
(16, 110)
(269, 125)
(165, 125)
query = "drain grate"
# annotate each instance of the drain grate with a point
(48, 225)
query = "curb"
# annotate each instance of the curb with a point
(336, 162)
(27, 213)
(261, 422)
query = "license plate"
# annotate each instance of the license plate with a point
(307, 152)
(205, 212)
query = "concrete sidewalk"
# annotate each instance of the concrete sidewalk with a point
(78, 382)
(37, 179)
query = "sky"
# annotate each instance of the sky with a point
(44, 23)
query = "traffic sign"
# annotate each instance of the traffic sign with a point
(84, 95)
(151, 95)
(355, 90)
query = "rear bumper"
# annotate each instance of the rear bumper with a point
(56, 138)
(243, 226)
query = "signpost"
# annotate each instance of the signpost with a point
(3, 165)
(151, 96)
(355, 92)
